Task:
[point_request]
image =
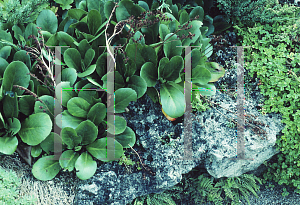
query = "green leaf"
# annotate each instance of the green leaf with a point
(77, 14)
(207, 89)
(14, 125)
(126, 9)
(3, 65)
(172, 100)
(163, 31)
(70, 137)
(78, 107)
(67, 120)
(94, 21)
(49, 101)
(215, 70)
(42, 90)
(5, 35)
(72, 59)
(17, 31)
(138, 84)
(5, 52)
(30, 30)
(46, 168)
(36, 150)
(68, 164)
(87, 93)
(47, 21)
(120, 125)
(64, 95)
(23, 57)
(85, 165)
(15, 74)
(170, 70)
(126, 137)
(10, 106)
(197, 11)
(100, 149)
(184, 17)
(200, 75)
(118, 81)
(48, 144)
(35, 128)
(8, 144)
(123, 97)
(26, 104)
(83, 47)
(97, 113)
(88, 131)
(70, 75)
(170, 48)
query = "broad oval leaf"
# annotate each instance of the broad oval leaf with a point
(48, 144)
(3, 65)
(78, 107)
(149, 73)
(47, 21)
(123, 97)
(88, 71)
(14, 125)
(5, 52)
(8, 144)
(70, 75)
(94, 21)
(35, 128)
(70, 137)
(16, 73)
(172, 100)
(200, 75)
(67, 160)
(64, 93)
(67, 120)
(170, 70)
(103, 147)
(46, 168)
(36, 151)
(26, 104)
(208, 89)
(87, 131)
(49, 107)
(97, 113)
(73, 59)
(172, 46)
(120, 125)
(138, 84)
(85, 165)
(126, 137)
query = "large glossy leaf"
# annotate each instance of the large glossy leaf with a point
(83, 47)
(49, 107)
(123, 97)
(120, 125)
(207, 89)
(78, 107)
(196, 25)
(8, 144)
(70, 75)
(77, 14)
(15, 74)
(88, 131)
(94, 21)
(3, 65)
(97, 113)
(170, 70)
(35, 128)
(126, 9)
(22, 56)
(68, 164)
(172, 100)
(126, 137)
(70, 137)
(26, 104)
(47, 21)
(73, 59)
(171, 48)
(10, 106)
(36, 150)
(30, 30)
(216, 71)
(5, 52)
(46, 168)
(163, 31)
(14, 125)
(101, 147)
(118, 81)
(200, 75)
(67, 120)
(88, 58)
(5, 35)
(48, 144)
(64, 93)
(85, 165)
(197, 11)
(138, 84)
(88, 92)
(87, 72)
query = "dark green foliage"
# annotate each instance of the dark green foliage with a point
(248, 12)
(14, 12)
(274, 59)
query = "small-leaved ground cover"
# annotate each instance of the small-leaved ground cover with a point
(274, 58)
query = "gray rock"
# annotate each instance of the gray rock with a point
(161, 145)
